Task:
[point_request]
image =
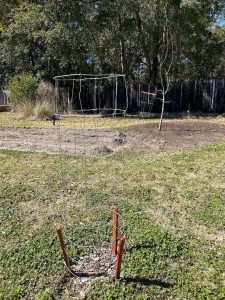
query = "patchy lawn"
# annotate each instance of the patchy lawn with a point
(174, 220)
(15, 119)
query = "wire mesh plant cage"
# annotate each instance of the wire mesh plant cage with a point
(92, 188)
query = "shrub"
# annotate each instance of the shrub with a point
(22, 88)
(42, 110)
(45, 92)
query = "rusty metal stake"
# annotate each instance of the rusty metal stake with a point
(119, 257)
(62, 245)
(114, 231)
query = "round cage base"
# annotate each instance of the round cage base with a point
(98, 264)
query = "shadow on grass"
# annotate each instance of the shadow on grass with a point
(90, 274)
(147, 281)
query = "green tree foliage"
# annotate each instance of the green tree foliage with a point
(216, 52)
(46, 38)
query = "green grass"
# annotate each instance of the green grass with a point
(174, 221)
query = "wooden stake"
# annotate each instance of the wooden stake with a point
(119, 257)
(114, 231)
(62, 245)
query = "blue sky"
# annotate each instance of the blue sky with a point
(222, 23)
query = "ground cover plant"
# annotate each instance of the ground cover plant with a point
(174, 225)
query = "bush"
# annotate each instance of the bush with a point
(45, 92)
(42, 110)
(22, 88)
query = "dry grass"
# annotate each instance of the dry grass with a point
(16, 119)
(26, 109)
(42, 110)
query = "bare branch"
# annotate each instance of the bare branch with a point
(146, 93)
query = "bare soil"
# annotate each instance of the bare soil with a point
(174, 136)
(145, 137)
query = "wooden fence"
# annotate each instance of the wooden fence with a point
(194, 96)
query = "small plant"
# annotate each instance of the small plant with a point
(42, 110)
(22, 88)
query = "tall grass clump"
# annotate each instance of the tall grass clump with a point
(45, 99)
(42, 110)
(26, 109)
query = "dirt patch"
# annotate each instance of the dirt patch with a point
(71, 141)
(174, 136)
(145, 137)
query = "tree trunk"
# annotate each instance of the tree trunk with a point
(144, 45)
(156, 43)
(122, 47)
